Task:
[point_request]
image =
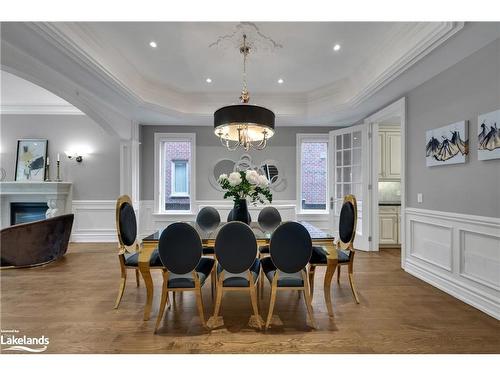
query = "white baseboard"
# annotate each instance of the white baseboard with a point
(457, 253)
(94, 221)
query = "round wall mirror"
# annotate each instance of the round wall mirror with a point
(221, 166)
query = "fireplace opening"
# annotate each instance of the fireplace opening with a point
(25, 212)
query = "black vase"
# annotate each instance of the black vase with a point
(240, 211)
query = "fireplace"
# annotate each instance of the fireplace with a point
(24, 212)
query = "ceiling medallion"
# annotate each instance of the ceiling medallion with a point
(244, 125)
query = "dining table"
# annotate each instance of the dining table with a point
(263, 236)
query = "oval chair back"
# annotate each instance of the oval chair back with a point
(235, 247)
(208, 218)
(290, 247)
(126, 222)
(230, 216)
(269, 218)
(347, 222)
(180, 248)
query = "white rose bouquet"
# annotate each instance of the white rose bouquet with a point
(241, 185)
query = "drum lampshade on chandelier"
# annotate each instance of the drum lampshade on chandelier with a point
(244, 125)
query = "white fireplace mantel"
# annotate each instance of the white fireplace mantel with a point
(58, 196)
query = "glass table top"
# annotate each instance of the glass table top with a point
(260, 233)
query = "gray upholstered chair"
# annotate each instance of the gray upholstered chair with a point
(290, 250)
(269, 219)
(230, 216)
(208, 219)
(238, 266)
(184, 268)
(345, 245)
(35, 243)
(128, 246)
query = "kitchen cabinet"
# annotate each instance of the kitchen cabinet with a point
(389, 225)
(389, 154)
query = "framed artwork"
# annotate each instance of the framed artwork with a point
(447, 145)
(31, 159)
(488, 136)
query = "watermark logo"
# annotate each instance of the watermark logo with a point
(13, 340)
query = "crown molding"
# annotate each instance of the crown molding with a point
(147, 101)
(37, 109)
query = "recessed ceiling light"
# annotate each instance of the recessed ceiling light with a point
(280, 81)
(209, 80)
(336, 47)
(153, 44)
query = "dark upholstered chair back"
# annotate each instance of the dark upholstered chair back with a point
(180, 248)
(269, 218)
(230, 216)
(208, 218)
(290, 247)
(35, 243)
(126, 222)
(235, 247)
(347, 220)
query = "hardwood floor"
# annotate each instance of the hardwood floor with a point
(71, 302)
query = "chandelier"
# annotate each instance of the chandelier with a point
(244, 125)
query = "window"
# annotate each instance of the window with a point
(174, 172)
(180, 179)
(312, 159)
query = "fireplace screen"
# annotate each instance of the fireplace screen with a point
(27, 211)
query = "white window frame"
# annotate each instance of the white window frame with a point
(173, 192)
(307, 138)
(159, 175)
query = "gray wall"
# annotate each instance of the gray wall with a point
(462, 92)
(281, 148)
(97, 177)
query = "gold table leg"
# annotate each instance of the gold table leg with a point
(144, 259)
(332, 262)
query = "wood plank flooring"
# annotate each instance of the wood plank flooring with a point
(71, 302)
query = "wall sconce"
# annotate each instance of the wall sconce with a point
(74, 155)
(77, 154)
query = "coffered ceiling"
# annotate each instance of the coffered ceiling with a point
(112, 64)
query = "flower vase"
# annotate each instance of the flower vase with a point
(240, 211)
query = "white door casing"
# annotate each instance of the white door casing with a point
(350, 174)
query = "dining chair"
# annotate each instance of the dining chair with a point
(184, 268)
(290, 250)
(269, 219)
(128, 246)
(230, 216)
(208, 219)
(345, 248)
(238, 267)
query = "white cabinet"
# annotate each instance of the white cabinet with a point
(389, 154)
(389, 225)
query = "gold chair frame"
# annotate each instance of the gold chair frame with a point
(124, 249)
(253, 288)
(340, 245)
(305, 289)
(164, 296)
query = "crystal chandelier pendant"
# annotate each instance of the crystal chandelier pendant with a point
(244, 125)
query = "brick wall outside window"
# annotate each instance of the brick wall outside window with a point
(314, 175)
(175, 151)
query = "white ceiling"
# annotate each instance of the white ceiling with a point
(184, 58)
(109, 71)
(16, 91)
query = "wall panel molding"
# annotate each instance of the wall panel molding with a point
(94, 221)
(472, 273)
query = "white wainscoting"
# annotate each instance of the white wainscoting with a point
(94, 221)
(457, 253)
(150, 222)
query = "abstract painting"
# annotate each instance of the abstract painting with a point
(31, 159)
(488, 136)
(447, 145)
